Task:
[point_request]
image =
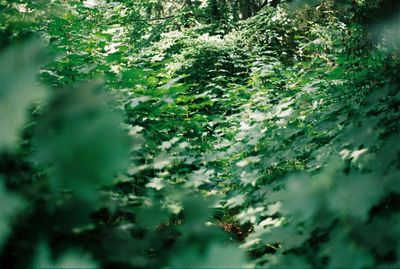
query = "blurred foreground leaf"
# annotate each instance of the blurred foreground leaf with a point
(10, 206)
(82, 141)
(71, 259)
(216, 256)
(18, 88)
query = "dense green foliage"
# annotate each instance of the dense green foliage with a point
(208, 134)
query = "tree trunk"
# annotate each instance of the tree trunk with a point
(235, 10)
(188, 3)
(214, 10)
(245, 8)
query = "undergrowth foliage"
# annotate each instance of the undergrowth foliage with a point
(147, 134)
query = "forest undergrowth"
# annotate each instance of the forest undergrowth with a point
(159, 134)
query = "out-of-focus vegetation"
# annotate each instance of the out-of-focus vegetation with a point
(208, 134)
